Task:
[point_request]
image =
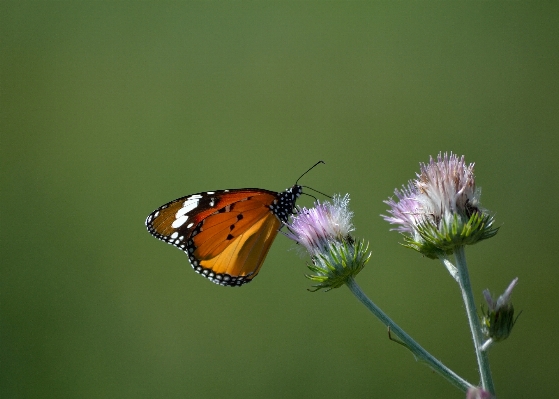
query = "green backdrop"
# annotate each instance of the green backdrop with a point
(110, 109)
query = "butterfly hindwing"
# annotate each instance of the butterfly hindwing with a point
(227, 233)
(242, 258)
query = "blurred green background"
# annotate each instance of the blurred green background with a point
(109, 110)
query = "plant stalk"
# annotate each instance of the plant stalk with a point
(473, 319)
(407, 341)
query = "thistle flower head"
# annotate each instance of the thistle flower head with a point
(324, 231)
(314, 228)
(498, 321)
(440, 209)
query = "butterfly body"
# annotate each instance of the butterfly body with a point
(226, 233)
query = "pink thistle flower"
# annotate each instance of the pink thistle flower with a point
(440, 209)
(324, 231)
(314, 228)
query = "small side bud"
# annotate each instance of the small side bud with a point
(498, 320)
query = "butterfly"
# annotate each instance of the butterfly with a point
(226, 234)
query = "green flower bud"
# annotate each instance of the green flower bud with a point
(498, 321)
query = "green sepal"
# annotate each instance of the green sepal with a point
(339, 262)
(498, 324)
(436, 241)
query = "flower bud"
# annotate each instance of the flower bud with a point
(498, 321)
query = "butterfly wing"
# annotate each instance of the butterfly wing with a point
(226, 234)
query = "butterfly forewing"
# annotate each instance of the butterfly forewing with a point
(226, 234)
(219, 229)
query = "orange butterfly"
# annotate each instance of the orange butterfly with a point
(226, 233)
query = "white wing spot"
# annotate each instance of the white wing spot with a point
(190, 225)
(188, 205)
(179, 222)
(210, 192)
(175, 235)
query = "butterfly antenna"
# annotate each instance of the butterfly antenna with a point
(309, 171)
(316, 191)
(316, 199)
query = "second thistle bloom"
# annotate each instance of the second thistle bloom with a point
(324, 231)
(440, 209)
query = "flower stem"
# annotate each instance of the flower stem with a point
(408, 342)
(475, 326)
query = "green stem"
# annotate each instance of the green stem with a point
(413, 346)
(475, 326)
